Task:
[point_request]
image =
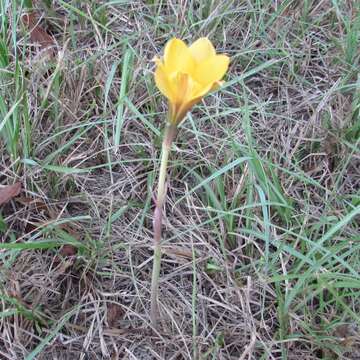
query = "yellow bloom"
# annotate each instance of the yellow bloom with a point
(186, 74)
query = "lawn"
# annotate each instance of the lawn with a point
(261, 240)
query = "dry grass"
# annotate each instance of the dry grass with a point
(261, 257)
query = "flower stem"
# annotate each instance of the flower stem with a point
(170, 133)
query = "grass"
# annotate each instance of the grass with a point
(261, 250)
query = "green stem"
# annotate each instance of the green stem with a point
(169, 136)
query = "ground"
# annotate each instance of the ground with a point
(261, 236)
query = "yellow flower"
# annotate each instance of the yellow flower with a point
(186, 74)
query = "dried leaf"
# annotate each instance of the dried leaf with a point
(68, 250)
(114, 313)
(146, 332)
(331, 149)
(37, 34)
(34, 204)
(178, 252)
(8, 192)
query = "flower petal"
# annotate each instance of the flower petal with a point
(202, 91)
(163, 82)
(177, 57)
(202, 49)
(212, 69)
(184, 87)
